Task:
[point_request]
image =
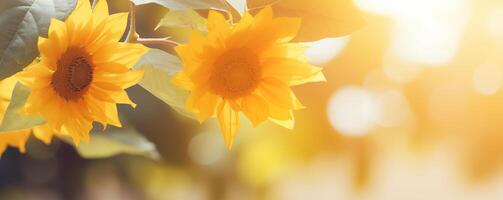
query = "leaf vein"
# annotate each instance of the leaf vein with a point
(17, 30)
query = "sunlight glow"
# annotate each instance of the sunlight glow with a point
(394, 109)
(352, 111)
(323, 51)
(427, 31)
(493, 23)
(426, 42)
(487, 79)
(401, 72)
(448, 101)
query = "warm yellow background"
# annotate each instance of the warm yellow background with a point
(412, 110)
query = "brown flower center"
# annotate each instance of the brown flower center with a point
(73, 74)
(235, 74)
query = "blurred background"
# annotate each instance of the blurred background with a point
(411, 110)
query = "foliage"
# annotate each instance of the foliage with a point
(116, 141)
(320, 18)
(22, 22)
(13, 118)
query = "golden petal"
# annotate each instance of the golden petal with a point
(109, 31)
(100, 11)
(121, 53)
(15, 139)
(276, 92)
(255, 108)
(229, 122)
(291, 71)
(112, 115)
(43, 133)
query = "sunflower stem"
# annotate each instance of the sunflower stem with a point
(132, 36)
(159, 41)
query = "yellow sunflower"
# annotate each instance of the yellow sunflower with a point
(83, 71)
(17, 138)
(245, 67)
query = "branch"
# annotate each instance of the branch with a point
(229, 10)
(159, 41)
(94, 3)
(132, 35)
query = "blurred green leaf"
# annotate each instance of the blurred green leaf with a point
(186, 4)
(21, 22)
(13, 118)
(320, 18)
(160, 67)
(115, 141)
(188, 19)
(178, 24)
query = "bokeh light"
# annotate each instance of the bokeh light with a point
(493, 23)
(393, 108)
(411, 109)
(487, 79)
(352, 111)
(206, 148)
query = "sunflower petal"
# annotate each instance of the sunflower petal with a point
(255, 108)
(276, 92)
(216, 20)
(241, 34)
(15, 139)
(279, 30)
(112, 115)
(123, 98)
(291, 71)
(289, 123)
(229, 122)
(78, 22)
(43, 133)
(265, 15)
(110, 68)
(110, 31)
(100, 11)
(182, 80)
(58, 34)
(121, 53)
(206, 106)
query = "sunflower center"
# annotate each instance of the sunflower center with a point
(236, 73)
(73, 74)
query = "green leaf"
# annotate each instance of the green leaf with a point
(13, 118)
(186, 4)
(160, 67)
(239, 5)
(320, 18)
(115, 141)
(189, 19)
(22, 21)
(178, 24)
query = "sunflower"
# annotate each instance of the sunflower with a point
(245, 67)
(83, 71)
(17, 138)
